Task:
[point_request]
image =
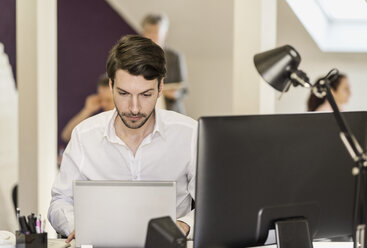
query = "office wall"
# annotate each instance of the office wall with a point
(203, 32)
(87, 30)
(316, 63)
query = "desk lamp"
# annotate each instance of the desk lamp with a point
(279, 68)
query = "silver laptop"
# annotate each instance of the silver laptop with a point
(116, 213)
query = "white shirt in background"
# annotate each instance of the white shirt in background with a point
(96, 153)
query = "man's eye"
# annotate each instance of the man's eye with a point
(123, 93)
(147, 95)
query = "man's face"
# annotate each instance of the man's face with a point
(134, 98)
(106, 98)
(155, 33)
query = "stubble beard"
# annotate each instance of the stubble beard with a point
(130, 124)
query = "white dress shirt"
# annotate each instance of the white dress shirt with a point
(96, 153)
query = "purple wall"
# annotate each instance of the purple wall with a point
(87, 30)
(7, 29)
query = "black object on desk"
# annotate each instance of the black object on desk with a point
(256, 170)
(164, 233)
(33, 240)
(279, 68)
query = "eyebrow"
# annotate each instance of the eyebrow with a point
(146, 91)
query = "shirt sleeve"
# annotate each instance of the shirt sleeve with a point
(191, 175)
(61, 210)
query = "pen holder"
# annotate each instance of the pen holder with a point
(33, 240)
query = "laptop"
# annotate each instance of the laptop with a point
(116, 213)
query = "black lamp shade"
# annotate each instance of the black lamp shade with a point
(276, 65)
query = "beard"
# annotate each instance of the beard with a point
(134, 124)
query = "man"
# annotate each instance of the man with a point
(101, 101)
(155, 27)
(135, 141)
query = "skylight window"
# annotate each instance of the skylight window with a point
(335, 25)
(344, 10)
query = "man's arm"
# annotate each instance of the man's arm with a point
(61, 210)
(191, 176)
(175, 91)
(91, 106)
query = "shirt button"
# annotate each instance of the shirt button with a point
(135, 177)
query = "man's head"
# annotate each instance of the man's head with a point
(104, 93)
(155, 27)
(136, 67)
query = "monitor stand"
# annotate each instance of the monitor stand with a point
(293, 233)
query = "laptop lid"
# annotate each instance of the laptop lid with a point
(116, 213)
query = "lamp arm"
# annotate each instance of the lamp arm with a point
(298, 77)
(359, 157)
(349, 141)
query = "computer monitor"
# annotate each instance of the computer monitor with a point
(255, 170)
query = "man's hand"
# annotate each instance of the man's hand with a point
(92, 104)
(71, 237)
(184, 227)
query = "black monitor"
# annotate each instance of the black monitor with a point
(253, 171)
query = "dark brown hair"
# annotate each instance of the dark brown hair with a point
(314, 102)
(139, 56)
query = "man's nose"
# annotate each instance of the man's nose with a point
(134, 105)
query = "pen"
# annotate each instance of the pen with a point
(38, 224)
(31, 224)
(23, 225)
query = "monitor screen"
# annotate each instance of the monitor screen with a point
(255, 170)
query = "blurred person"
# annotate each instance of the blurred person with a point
(155, 27)
(102, 101)
(340, 89)
(8, 143)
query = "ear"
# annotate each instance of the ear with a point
(110, 84)
(160, 89)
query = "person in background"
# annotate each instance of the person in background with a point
(340, 89)
(8, 143)
(155, 27)
(102, 101)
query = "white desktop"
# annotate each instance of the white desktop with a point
(60, 243)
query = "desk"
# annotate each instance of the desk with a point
(60, 243)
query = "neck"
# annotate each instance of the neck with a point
(340, 106)
(325, 106)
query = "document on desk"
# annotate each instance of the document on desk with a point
(59, 243)
(318, 245)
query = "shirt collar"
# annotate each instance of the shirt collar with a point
(110, 132)
(159, 124)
